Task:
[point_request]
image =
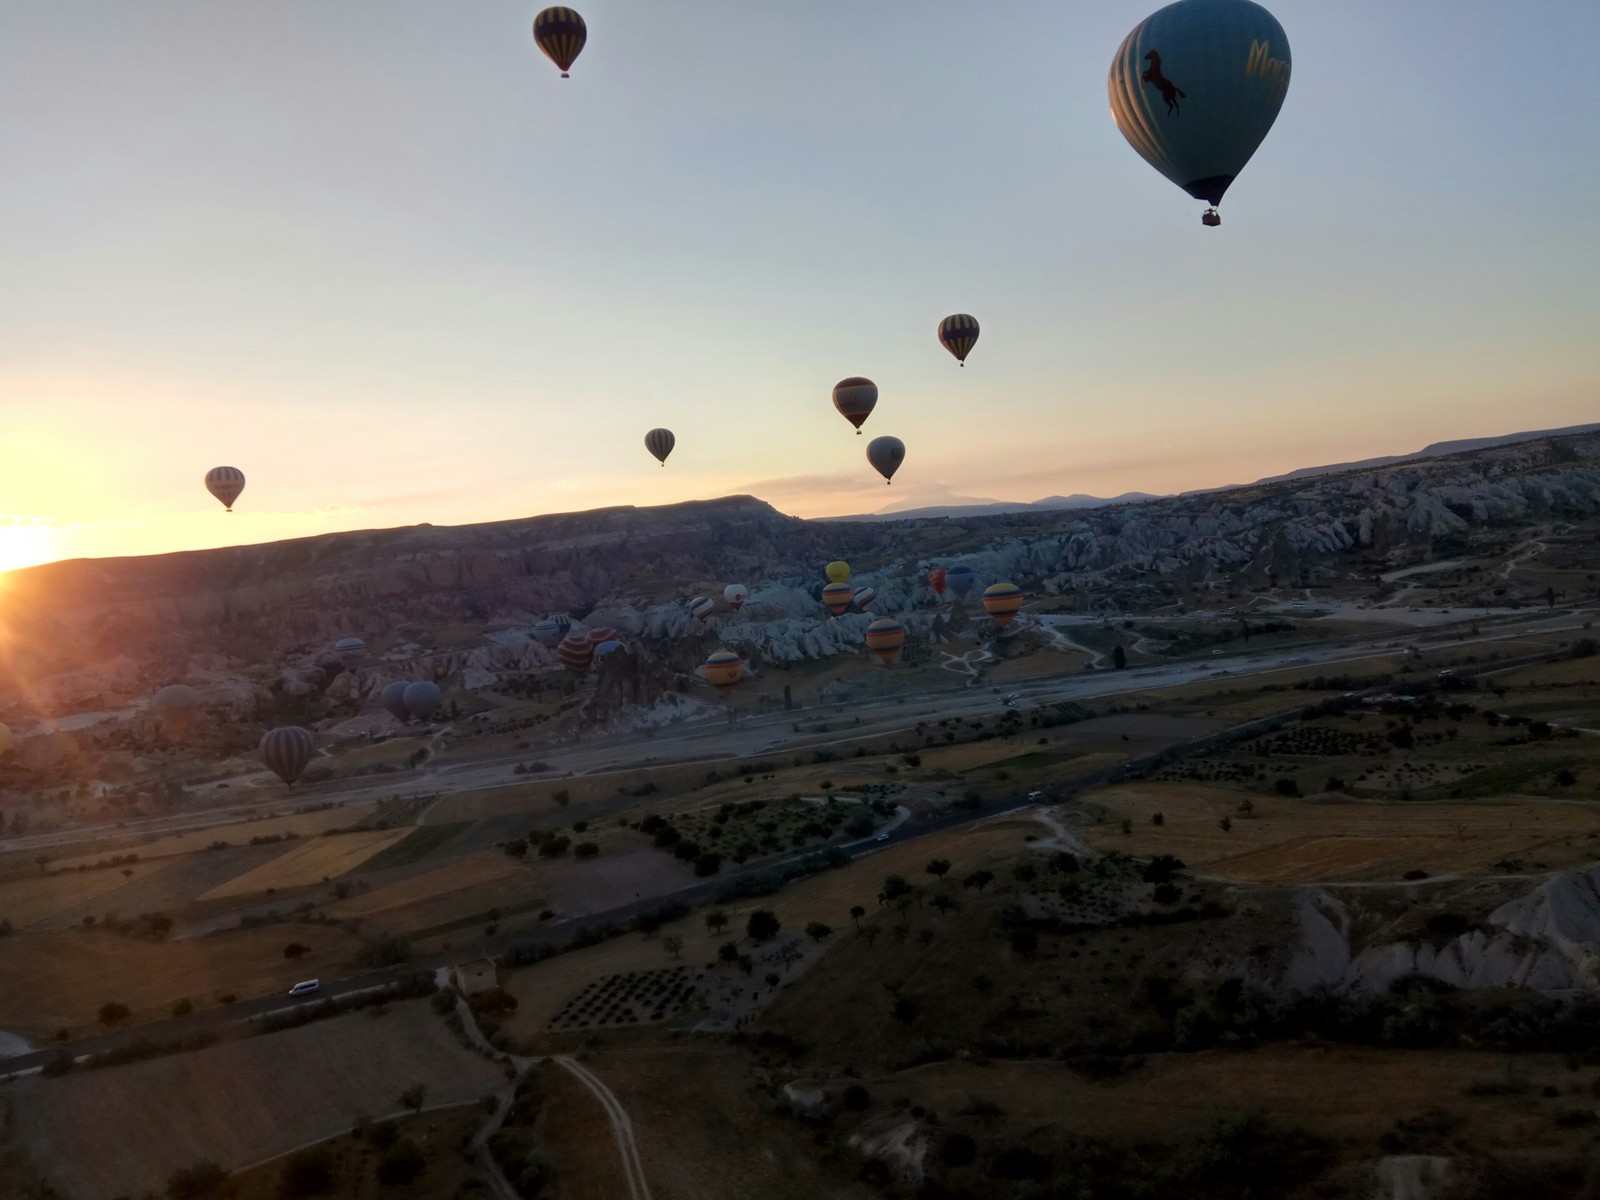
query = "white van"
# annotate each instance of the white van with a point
(305, 987)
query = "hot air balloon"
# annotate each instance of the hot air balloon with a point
(176, 705)
(885, 636)
(1195, 87)
(602, 633)
(724, 668)
(5, 740)
(393, 699)
(702, 607)
(575, 653)
(607, 648)
(886, 454)
(959, 334)
(1001, 601)
(225, 483)
(660, 443)
(960, 579)
(351, 651)
(863, 598)
(837, 571)
(837, 597)
(855, 398)
(735, 594)
(936, 581)
(560, 33)
(285, 751)
(546, 632)
(422, 699)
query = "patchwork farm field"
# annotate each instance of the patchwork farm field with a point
(302, 825)
(239, 1102)
(310, 862)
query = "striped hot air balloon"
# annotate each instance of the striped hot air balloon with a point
(885, 636)
(863, 598)
(285, 751)
(837, 597)
(225, 483)
(351, 651)
(702, 607)
(393, 700)
(421, 699)
(855, 398)
(660, 443)
(575, 652)
(561, 34)
(838, 571)
(960, 579)
(603, 633)
(1001, 601)
(886, 454)
(936, 581)
(959, 334)
(546, 632)
(724, 668)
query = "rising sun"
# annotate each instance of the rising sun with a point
(25, 544)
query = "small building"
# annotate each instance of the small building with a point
(476, 977)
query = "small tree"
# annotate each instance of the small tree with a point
(944, 902)
(673, 945)
(938, 868)
(111, 1013)
(414, 1096)
(562, 797)
(763, 925)
(306, 1173)
(403, 1163)
(979, 879)
(905, 1010)
(716, 920)
(1158, 818)
(1119, 658)
(295, 950)
(816, 930)
(856, 913)
(1226, 824)
(183, 1008)
(728, 952)
(585, 850)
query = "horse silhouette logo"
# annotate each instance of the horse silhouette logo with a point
(1170, 92)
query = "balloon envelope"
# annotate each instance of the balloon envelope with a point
(959, 334)
(886, 454)
(960, 579)
(885, 636)
(660, 443)
(837, 597)
(176, 704)
(735, 594)
(607, 648)
(546, 632)
(724, 668)
(702, 607)
(560, 33)
(422, 699)
(602, 633)
(855, 398)
(863, 598)
(575, 652)
(1195, 87)
(936, 580)
(393, 700)
(225, 483)
(286, 751)
(837, 571)
(351, 651)
(1001, 601)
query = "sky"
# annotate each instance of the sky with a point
(380, 257)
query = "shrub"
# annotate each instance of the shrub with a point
(855, 1098)
(958, 1150)
(385, 950)
(403, 1163)
(763, 925)
(307, 1173)
(585, 850)
(112, 1012)
(295, 950)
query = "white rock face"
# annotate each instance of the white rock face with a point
(808, 1102)
(904, 1147)
(1410, 1177)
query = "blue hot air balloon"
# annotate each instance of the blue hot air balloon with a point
(393, 699)
(1195, 87)
(547, 632)
(960, 579)
(421, 698)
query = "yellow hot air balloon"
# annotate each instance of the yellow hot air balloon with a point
(1001, 601)
(838, 571)
(724, 668)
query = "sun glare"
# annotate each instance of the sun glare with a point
(26, 545)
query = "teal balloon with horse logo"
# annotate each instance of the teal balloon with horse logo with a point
(1195, 87)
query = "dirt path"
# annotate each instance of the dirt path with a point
(621, 1126)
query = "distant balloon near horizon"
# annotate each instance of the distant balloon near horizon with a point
(1195, 88)
(838, 571)
(855, 398)
(886, 454)
(660, 443)
(735, 594)
(421, 699)
(351, 651)
(1001, 601)
(225, 483)
(560, 34)
(885, 636)
(393, 700)
(960, 579)
(575, 652)
(959, 334)
(723, 669)
(285, 751)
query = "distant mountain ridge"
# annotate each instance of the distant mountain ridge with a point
(1432, 450)
(992, 508)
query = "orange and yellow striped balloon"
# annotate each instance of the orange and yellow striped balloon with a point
(1001, 601)
(837, 597)
(885, 636)
(576, 652)
(724, 668)
(561, 34)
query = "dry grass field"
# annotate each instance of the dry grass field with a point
(309, 862)
(1296, 841)
(483, 870)
(99, 1136)
(59, 980)
(574, 1133)
(28, 901)
(300, 824)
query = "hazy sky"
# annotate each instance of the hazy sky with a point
(377, 254)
